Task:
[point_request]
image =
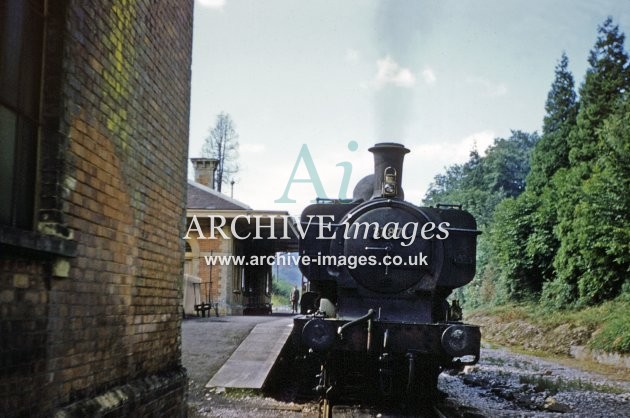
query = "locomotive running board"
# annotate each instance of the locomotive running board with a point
(249, 366)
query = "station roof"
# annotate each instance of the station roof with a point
(203, 201)
(203, 197)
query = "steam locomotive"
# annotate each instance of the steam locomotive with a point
(376, 311)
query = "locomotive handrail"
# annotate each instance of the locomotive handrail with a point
(365, 317)
(475, 231)
(449, 206)
(325, 200)
(387, 247)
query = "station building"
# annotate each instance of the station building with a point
(229, 287)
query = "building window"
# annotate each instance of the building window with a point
(238, 275)
(22, 25)
(238, 271)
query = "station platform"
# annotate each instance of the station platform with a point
(250, 364)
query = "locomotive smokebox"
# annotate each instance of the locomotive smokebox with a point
(388, 169)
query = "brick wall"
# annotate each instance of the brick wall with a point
(23, 333)
(221, 276)
(227, 280)
(209, 247)
(104, 319)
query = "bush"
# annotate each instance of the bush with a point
(614, 335)
(281, 292)
(557, 294)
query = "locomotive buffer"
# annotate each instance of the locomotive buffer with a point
(249, 366)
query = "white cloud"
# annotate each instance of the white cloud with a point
(490, 88)
(481, 140)
(455, 152)
(352, 55)
(389, 71)
(212, 4)
(429, 76)
(428, 159)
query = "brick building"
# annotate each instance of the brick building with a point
(94, 110)
(236, 289)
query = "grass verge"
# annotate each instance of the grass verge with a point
(609, 322)
(558, 384)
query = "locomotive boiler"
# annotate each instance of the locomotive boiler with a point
(376, 311)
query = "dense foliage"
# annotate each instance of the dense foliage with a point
(482, 182)
(282, 291)
(559, 231)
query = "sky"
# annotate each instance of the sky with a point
(331, 78)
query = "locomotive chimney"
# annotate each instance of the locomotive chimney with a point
(388, 168)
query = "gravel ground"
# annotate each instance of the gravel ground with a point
(503, 384)
(206, 344)
(510, 384)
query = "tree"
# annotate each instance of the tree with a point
(482, 182)
(561, 104)
(542, 244)
(442, 185)
(480, 185)
(606, 79)
(552, 151)
(222, 144)
(538, 246)
(566, 238)
(591, 191)
(506, 164)
(602, 220)
(508, 239)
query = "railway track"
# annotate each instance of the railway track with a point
(438, 412)
(356, 400)
(356, 412)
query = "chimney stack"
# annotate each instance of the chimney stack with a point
(388, 168)
(204, 170)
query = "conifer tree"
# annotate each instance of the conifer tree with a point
(552, 151)
(606, 79)
(602, 219)
(540, 245)
(585, 229)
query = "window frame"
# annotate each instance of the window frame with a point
(46, 233)
(21, 101)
